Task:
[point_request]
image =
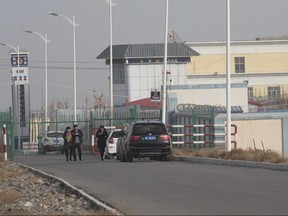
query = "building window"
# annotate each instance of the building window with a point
(118, 74)
(250, 93)
(273, 92)
(239, 64)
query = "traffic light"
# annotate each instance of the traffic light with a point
(22, 105)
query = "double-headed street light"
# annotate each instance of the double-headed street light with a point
(44, 38)
(73, 23)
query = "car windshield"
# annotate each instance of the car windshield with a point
(116, 134)
(149, 128)
(54, 135)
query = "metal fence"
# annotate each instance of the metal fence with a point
(31, 142)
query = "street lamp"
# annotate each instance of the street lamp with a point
(111, 61)
(73, 23)
(165, 67)
(228, 79)
(44, 38)
(16, 97)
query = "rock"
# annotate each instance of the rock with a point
(28, 204)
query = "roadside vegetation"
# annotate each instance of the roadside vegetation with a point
(235, 154)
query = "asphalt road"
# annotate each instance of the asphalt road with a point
(147, 187)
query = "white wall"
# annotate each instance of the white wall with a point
(211, 95)
(141, 78)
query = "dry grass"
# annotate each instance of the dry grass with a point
(8, 197)
(235, 154)
(6, 171)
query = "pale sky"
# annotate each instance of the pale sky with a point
(134, 21)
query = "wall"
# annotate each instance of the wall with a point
(260, 131)
(209, 94)
(254, 63)
(268, 127)
(141, 78)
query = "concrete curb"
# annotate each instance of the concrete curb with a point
(97, 203)
(251, 164)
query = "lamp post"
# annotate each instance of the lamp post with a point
(111, 61)
(228, 80)
(73, 23)
(44, 38)
(165, 67)
(16, 97)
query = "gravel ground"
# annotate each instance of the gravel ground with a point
(24, 193)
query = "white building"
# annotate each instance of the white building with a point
(138, 68)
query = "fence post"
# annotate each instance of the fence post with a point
(5, 142)
(92, 140)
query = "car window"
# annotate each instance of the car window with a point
(149, 128)
(116, 134)
(54, 135)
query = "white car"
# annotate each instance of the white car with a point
(52, 141)
(111, 147)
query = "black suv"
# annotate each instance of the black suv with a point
(144, 138)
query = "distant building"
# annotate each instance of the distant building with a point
(196, 71)
(138, 68)
(261, 64)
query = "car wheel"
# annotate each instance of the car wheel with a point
(168, 157)
(121, 156)
(124, 158)
(129, 158)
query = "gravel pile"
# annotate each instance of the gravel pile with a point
(24, 193)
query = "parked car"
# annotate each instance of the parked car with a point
(145, 138)
(111, 148)
(52, 141)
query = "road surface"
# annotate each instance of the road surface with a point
(147, 187)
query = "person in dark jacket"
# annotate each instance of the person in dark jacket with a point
(77, 140)
(102, 136)
(67, 136)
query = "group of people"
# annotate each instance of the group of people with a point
(73, 140)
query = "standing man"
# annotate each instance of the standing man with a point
(102, 136)
(77, 140)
